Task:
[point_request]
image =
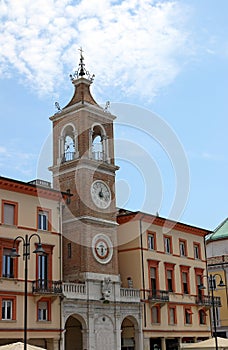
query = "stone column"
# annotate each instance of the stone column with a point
(90, 334)
(117, 318)
(163, 344)
(146, 344)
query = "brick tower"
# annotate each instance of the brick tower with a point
(83, 155)
(84, 166)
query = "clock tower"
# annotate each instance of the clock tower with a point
(83, 156)
(84, 166)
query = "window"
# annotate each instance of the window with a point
(43, 220)
(153, 283)
(168, 244)
(172, 315)
(43, 310)
(202, 316)
(185, 282)
(69, 251)
(184, 270)
(183, 248)
(151, 241)
(196, 248)
(188, 315)
(153, 276)
(199, 280)
(155, 314)
(7, 307)
(9, 213)
(44, 266)
(169, 275)
(7, 264)
(170, 280)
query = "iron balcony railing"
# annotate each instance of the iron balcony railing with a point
(158, 296)
(98, 155)
(68, 156)
(46, 287)
(207, 300)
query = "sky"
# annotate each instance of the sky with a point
(163, 65)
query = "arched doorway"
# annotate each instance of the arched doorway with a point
(129, 335)
(73, 334)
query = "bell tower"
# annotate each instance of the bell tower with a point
(84, 166)
(95, 308)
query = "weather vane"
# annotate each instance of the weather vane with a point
(81, 71)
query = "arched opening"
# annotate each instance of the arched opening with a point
(73, 334)
(97, 150)
(128, 334)
(68, 143)
(99, 144)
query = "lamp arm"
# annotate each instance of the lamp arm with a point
(17, 238)
(35, 235)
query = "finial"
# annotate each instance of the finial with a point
(81, 64)
(81, 69)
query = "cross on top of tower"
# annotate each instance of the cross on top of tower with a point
(81, 71)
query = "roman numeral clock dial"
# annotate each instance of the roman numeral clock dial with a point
(101, 194)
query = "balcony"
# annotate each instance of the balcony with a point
(158, 296)
(75, 290)
(68, 156)
(130, 295)
(98, 155)
(47, 287)
(206, 300)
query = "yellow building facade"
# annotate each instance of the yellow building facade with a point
(166, 261)
(32, 210)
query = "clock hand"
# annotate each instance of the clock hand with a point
(101, 195)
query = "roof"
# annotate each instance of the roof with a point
(221, 232)
(125, 216)
(31, 188)
(82, 80)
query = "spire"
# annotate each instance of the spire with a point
(81, 79)
(81, 64)
(81, 71)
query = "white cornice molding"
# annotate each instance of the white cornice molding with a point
(77, 107)
(91, 219)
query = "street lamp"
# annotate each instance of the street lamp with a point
(212, 287)
(26, 255)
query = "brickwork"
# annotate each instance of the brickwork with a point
(82, 219)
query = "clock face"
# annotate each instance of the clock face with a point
(102, 248)
(101, 194)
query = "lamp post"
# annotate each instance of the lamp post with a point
(212, 286)
(26, 255)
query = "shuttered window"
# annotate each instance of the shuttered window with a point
(9, 214)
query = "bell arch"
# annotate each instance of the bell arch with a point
(99, 143)
(68, 143)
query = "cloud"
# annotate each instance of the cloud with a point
(14, 161)
(3, 150)
(207, 156)
(129, 44)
